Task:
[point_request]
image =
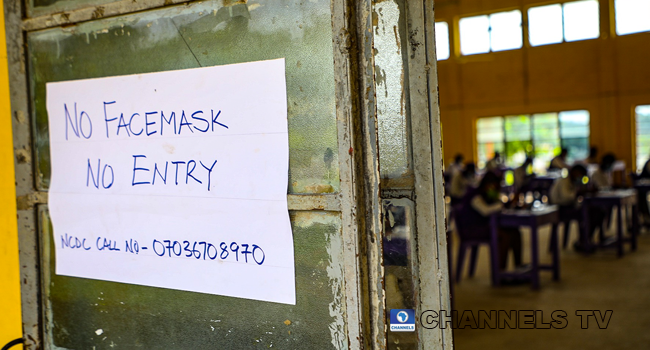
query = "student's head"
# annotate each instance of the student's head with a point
(607, 162)
(577, 172)
(593, 152)
(497, 155)
(458, 159)
(564, 152)
(490, 186)
(469, 170)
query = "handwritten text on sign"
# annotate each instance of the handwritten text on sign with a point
(175, 179)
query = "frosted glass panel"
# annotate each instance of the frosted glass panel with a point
(394, 157)
(82, 313)
(399, 247)
(89, 314)
(207, 34)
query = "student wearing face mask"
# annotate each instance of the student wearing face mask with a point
(565, 192)
(483, 202)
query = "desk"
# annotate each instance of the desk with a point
(609, 199)
(533, 219)
(541, 184)
(642, 185)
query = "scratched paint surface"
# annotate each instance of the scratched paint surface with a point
(206, 34)
(86, 314)
(40, 7)
(398, 233)
(391, 92)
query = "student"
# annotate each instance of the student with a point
(522, 175)
(461, 181)
(565, 192)
(456, 166)
(495, 163)
(593, 156)
(602, 177)
(483, 202)
(559, 162)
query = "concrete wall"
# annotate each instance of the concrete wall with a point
(607, 76)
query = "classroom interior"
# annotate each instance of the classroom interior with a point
(528, 78)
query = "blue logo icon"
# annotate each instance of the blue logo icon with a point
(402, 320)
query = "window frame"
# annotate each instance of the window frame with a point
(635, 142)
(561, 3)
(613, 22)
(456, 30)
(531, 117)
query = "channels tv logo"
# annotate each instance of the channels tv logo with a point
(402, 320)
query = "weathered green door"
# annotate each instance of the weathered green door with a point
(365, 168)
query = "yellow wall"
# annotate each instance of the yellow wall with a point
(607, 76)
(10, 321)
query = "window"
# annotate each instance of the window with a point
(474, 35)
(541, 135)
(642, 136)
(490, 135)
(496, 32)
(571, 21)
(545, 25)
(581, 20)
(518, 139)
(442, 40)
(574, 133)
(632, 16)
(546, 138)
(505, 31)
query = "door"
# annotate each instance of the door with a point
(365, 169)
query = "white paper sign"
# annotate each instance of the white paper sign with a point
(175, 179)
